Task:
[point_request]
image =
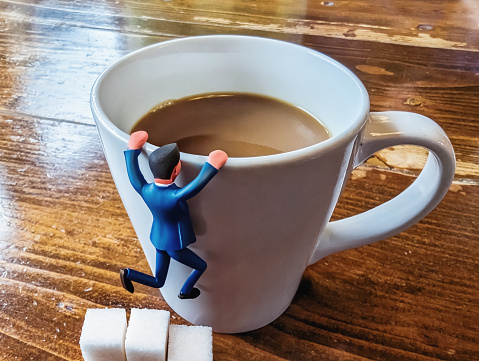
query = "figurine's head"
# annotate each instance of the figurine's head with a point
(165, 162)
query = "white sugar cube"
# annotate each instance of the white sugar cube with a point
(103, 335)
(190, 343)
(147, 335)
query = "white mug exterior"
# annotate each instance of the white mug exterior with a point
(259, 220)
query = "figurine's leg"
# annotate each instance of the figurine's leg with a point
(190, 259)
(162, 264)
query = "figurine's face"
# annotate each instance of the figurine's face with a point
(176, 171)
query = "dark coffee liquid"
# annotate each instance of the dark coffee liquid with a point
(241, 124)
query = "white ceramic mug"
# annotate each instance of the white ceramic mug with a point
(262, 220)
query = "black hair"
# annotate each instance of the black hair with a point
(163, 160)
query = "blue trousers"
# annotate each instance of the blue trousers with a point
(184, 256)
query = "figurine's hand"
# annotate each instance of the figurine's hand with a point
(217, 158)
(137, 139)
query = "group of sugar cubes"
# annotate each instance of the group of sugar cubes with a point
(149, 337)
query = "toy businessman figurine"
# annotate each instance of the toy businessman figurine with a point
(171, 232)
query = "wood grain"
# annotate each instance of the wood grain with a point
(433, 82)
(64, 233)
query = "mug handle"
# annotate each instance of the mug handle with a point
(386, 129)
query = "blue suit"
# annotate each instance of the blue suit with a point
(171, 231)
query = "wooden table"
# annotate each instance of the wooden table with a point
(64, 233)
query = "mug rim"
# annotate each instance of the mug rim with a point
(294, 155)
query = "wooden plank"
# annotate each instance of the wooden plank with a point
(452, 25)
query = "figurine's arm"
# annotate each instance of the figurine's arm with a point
(216, 160)
(137, 140)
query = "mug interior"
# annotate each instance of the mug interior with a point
(178, 68)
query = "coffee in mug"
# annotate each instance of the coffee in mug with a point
(241, 124)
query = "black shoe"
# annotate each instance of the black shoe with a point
(189, 296)
(125, 282)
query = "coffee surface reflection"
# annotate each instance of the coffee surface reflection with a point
(241, 124)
